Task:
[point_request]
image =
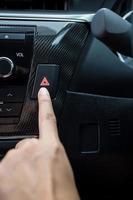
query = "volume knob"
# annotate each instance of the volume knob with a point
(6, 67)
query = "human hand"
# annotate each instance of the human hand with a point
(38, 169)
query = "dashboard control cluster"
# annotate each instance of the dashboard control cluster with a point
(35, 51)
(16, 48)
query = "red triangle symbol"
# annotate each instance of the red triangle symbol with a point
(45, 82)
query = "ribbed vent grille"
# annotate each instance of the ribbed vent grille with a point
(34, 4)
(114, 127)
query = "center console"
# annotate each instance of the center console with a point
(16, 51)
(36, 50)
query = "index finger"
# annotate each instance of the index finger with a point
(47, 119)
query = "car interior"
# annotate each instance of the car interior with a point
(82, 52)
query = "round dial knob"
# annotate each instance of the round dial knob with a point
(6, 67)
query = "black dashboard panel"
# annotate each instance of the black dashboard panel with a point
(102, 72)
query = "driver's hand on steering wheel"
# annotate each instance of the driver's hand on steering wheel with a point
(38, 169)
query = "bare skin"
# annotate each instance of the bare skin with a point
(38, 169)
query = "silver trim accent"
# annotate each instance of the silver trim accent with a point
(19, 137)
(128, 14)
(79, 17)
(11, 64)
(120, 57)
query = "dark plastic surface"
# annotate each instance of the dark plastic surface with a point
(89, 136)
(12, 94)
(112, 164)
(92, 6)
(114, 31)
(101, 72)
(101, 110)
(10, 110)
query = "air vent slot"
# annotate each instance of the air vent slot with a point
(34, 4)
(114, 127)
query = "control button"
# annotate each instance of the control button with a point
(13, 94)
(6, 67)
(46, 76)
(10, 110)
(12, 36)
(44, 82)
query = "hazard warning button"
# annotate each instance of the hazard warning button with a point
(45, 82)
(46, 76)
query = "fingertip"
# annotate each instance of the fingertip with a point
(43, 92)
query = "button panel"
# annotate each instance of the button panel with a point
(12, 94)
(16, 51)
(10, 109)
(47, 75)
(11, 102)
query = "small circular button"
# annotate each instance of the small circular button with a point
(6, 67)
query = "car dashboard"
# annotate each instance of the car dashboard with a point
(90, 84)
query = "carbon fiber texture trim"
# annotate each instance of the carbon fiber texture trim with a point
(62, 48)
